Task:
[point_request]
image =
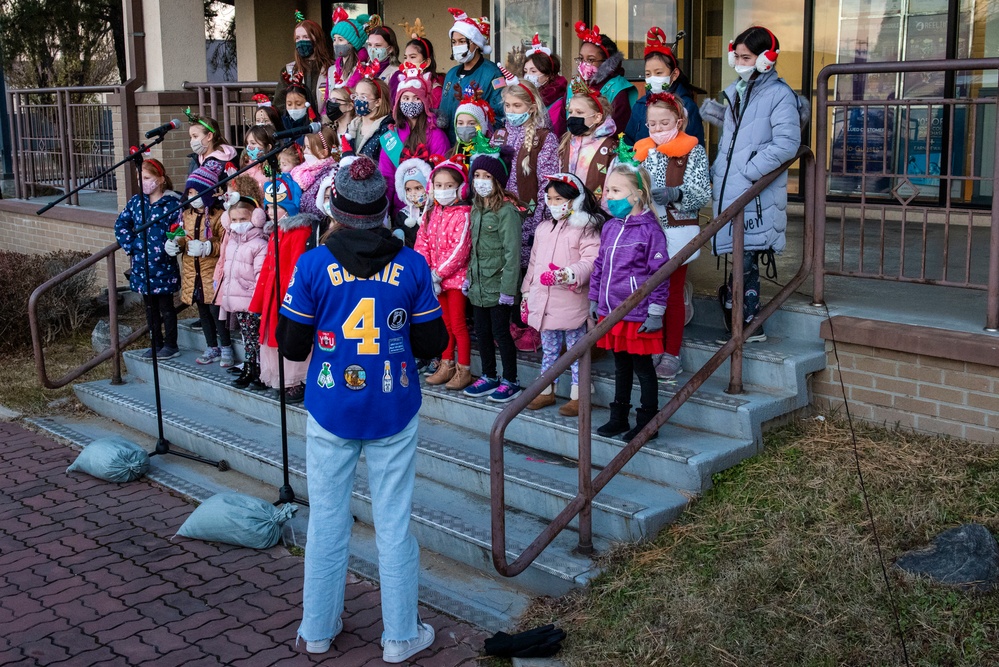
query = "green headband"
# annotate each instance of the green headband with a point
(195, 118)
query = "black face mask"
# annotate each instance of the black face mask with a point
(577, 126)
(333, 110)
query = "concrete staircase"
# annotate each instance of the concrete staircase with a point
(204, 414)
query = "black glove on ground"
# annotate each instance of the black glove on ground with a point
(537, 643)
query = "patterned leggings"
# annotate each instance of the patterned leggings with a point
(551, 347)
(249, 326)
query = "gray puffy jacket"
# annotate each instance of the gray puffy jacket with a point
(767, 134)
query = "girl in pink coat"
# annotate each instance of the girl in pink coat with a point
(555, 287)
(445, 240)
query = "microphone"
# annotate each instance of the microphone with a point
(294, 133)
(163, 129)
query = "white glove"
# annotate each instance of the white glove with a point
(194, 248)
(437, 289)
(436, 277)
(206, 248)
(171, 248)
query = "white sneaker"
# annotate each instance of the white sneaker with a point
(323, 645)
(394, 651)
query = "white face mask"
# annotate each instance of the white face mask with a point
(198, 203)
(483, 186)
(745, 71)
(240, 227)
(561, 211)
(657, 84)
(534, 78)
(461, 53)
(446, 197)
(311, 159)
(298, 114)
(198, 147)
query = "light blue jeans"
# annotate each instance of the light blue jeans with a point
(391, 464)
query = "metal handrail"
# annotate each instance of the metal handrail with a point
(113, 352)
(822, 156)
(589, 486)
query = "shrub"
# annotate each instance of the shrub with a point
(64, 308)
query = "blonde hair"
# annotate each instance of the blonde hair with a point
(322, 146)
(641, 179)
(599, 105)
(384, 106)
(674, 106)
(527, 93)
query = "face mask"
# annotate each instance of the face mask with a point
(304, 47)
(327, 209)
(517, 119)
(378, 52)
(361, 107)
(745, 72)
(465, 133)
(534, 78)
(297, 114)
(665, 136)
(411, 109)
(657, 84)
(577, 126)
(240, 227)
(342, 50)
(311, 159)
(483, 186)
(559, 212)
(586, 70)
(417, 199)
(198, 203)
(619, 208)
(148, 187)
(446, 197)
(333, 110)
(198, 147)
(252, 153)
(263, 123)
(461, 53)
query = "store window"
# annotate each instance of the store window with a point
(628, 22)
(515, 23)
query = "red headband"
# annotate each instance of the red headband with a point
(155, 164)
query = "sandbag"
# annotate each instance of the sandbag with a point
(239, 519)
(113, 459)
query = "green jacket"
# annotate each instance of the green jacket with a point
(494, 267)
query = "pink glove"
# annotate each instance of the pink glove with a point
(523, 309)
(557, 276)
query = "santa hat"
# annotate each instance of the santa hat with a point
(413, 169)
(655, 42)
(474, 30)
(262, 100)
(473, 104)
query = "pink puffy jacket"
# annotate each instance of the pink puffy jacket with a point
(445, 240)
(244, 258)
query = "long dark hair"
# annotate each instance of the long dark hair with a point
(418, 129)
(757, 39)
(426, 48)
(388, 34)
(550, 66)
(590, 205)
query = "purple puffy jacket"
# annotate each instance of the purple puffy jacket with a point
(631, 251)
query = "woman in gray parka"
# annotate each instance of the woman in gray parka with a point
(760, 131)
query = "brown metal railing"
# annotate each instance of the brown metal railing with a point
(589, 486)
(920, 203)
(231, 104)
(113, 353)
(62, 137)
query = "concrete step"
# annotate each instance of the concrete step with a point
(629, 509)
(253, 448)
(454, 588)
(796, 319)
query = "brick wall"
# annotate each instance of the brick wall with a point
(924, 392)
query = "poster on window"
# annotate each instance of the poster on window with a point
(514, 24)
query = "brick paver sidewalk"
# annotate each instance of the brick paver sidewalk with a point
(88, 576)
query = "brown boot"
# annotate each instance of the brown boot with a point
(444, 373)
(571, 409)
(544, 399)
(462, 378)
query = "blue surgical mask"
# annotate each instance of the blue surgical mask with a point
(253, 153)
(619, 208)
(361, 107)
(517, 119)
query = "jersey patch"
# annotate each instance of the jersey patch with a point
(355, 377)
(403, 377)
(397, 346)
(326, 340)
(397, 319)
(387, 378)
(325, 378)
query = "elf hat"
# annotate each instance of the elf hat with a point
(358, 199)
(473, 104)
(474, 30)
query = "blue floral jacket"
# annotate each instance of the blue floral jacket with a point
(164, 275)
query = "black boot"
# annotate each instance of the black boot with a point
(726, 306)
(642, 418)
(618, 420)
(250, 373)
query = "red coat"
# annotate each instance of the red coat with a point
(294, 234)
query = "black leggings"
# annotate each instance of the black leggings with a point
(164, 331)
(492, 329)
(626, 367)
(213, 328)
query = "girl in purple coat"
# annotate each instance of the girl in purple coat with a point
(632, 248)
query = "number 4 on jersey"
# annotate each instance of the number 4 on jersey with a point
(360, 326)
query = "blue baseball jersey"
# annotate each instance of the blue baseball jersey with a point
(362, 382)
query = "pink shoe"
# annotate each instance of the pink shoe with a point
(529, 341)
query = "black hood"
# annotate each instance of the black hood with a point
(363, 252)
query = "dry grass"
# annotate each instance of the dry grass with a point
(776, 565)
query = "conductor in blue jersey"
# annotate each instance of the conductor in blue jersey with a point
(364, 305)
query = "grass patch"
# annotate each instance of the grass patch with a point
(776, 564)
